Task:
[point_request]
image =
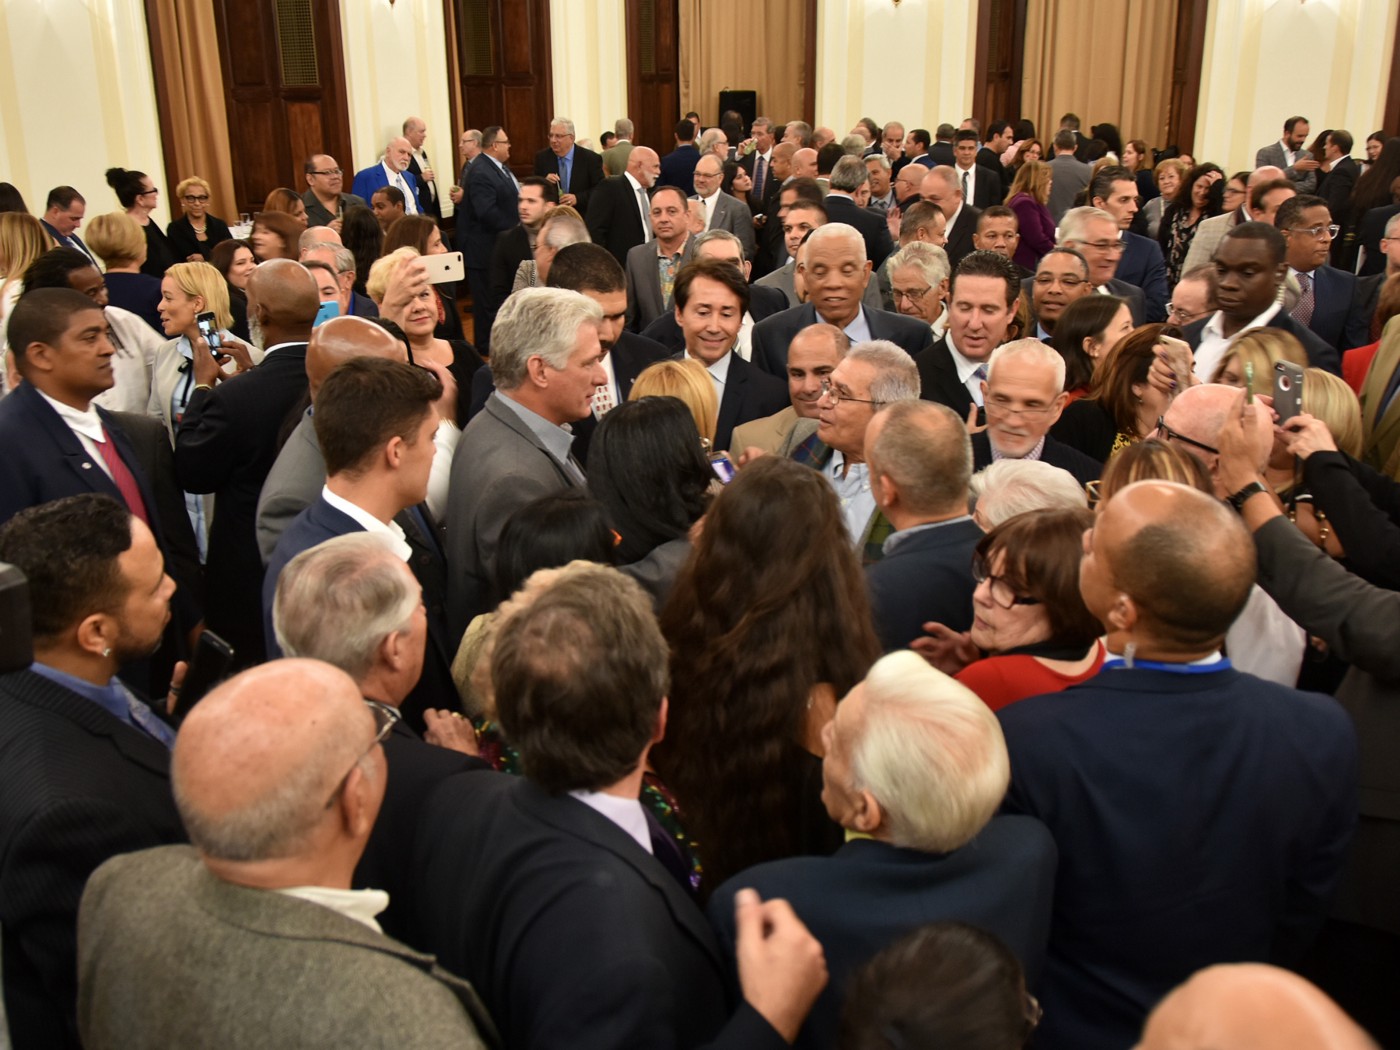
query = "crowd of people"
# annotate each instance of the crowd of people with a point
(875, 591)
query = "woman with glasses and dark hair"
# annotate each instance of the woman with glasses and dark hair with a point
(194, 235)
(139, 196)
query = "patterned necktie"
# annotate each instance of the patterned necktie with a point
(122, 477)
(646, 211)
(760, 172)
(964, 188)
(602, 400)
(980, 375)
(410, 207)
(1303, 311)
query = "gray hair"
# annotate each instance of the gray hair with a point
(948, 176)
(1392, 227)
(708, 140)
(930, 752)
(344, 257)
(924, 448)
(1016, 486)
(339, 600)
(877, 158)
(718, 235)
(854, 145)
(929, 259)
(560, 231)
(896, 374)
(1033, 349)
(849, 174)
(833, 231)
(537, 322)
(623, 128)
(563, 122)
(1076, 220)
(803, 129)
(473, 135)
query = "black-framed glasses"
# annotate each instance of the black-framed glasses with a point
(1001, 591)
(914, 295)
(1171, 435)
(828, 390)
(1317, 231)
(191, 198)
(385, 718)
(147, 193)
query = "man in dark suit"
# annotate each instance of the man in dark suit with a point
(416, 132)
(228, 440)
(847, 177)
(980, 186)
(618, 217)
(836, 272)
(1114, 191)
(999, 140)
(489, 208)
(1095, 234)
(1251, 266)
(907, 863)
(1259, 779)
(1024, 395)
(573, 170)
(941, 189)
(517, 244)
(391, 172)
(1335, 188)
(85, 763)
(940, 152)
(722, 211)
(678, 166)
(758, 163)
(1331, 302)
(711, 298)
(981, 306)
(1373, 229)
(644, 968)
(63, 214)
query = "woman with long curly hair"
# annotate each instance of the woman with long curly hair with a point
(769, 624)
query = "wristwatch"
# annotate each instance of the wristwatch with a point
(1237, 499)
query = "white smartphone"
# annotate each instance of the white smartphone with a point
(445, 268)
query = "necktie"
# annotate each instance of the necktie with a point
(760, 172)
(645, 205)
(410, 207)
(979, 376)
(563, 175)
(964, 189)
(665, 850)
(123, 478)
(602, 400)
(1303, 311)
(144, 718)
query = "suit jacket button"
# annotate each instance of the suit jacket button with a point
(87, 465)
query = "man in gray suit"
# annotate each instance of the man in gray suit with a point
(1068, 174)
(546, 363)
(652, 267)
(723, 212)
(1288, 153)
(278, 775)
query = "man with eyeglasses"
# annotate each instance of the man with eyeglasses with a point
(1333, 303)
(1250, 268)
(919, 275)
(573, 170)
(1024, 396)
(1094, 233)
(279, 775)
(1114, 190)
(1193, 297)
(1061, 277)
(325, 202)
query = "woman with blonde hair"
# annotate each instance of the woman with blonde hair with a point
(1030, 191)
(1167, 176)
(1261, 348)
(139, 196)
(117, 239)
(690, 383)
(194, 234)
(286, 202)
(22, 240)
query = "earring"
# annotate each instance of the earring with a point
(106, 653)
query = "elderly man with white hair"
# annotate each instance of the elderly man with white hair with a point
(1093, 233)
(915, 770)
(835, 272)
(1024, 395)
(919, 275)
(391, 171)
(1017, 486)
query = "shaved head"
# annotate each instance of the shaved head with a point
(284, 293)
(342, 338)
(1199, 414)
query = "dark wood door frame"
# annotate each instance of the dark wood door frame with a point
(1187, 63)
(996, 94)
(1391, 121)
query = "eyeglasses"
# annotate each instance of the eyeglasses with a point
(328, 171)
(1002, 593)
(1045, 280)
(1171, 435)
(147, 193)
(1184, 316)
(385, 718)
(191, 198)
(1006, 408)
(915, 296)
(1113, 247)
(1317, 231)
(830, 391)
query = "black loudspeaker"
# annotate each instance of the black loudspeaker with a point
(745, 103)
(16, 646)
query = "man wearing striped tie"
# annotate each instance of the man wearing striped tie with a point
(392, 170)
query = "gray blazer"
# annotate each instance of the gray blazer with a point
(644, 301)
(171, 956)
(1208, 236)
(499, 466)
(292, 485)
(1068, 177)
(1272, 154)
(733, 215)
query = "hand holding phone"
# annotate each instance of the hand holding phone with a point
(212, 663)
(1288, 391)
(209, 328)
(445, 268)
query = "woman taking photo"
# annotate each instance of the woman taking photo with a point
(140, 197)
(194, 235)
(421, 233)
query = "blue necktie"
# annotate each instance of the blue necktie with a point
(144, 718)
(563, 175)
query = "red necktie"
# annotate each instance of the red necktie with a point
(123, 478)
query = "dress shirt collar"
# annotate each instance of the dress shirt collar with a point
(1289, 154)
(498, 164)
(859, 328)
(626, 813)
(278, 346)
(895, 539)
(557, 440)
(940, 325)
(661, 253)
(88, 423)
(635, 184)
(840, 193)
(965, 365)
(953, 219)
(360, 905)
(1295, 272)
(393, 174)
(111, 697)
(719, 371)
(369, 522)
(998, 455)
(1215, 327)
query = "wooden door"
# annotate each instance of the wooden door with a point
(654, 71)
(1001, 45)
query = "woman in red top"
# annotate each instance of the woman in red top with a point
(1027, 613)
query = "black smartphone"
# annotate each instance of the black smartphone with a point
(1288, 390)
(209, 328)
(213, 660)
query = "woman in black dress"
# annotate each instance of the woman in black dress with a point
(194, 234)
(139, 196)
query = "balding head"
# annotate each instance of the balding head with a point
(343, 338)
(804, 163)
(1265, 174)
(276, 775)
(1198, 414)
(1250, 1006)
(644, 165)
(920, 462)
(283, 300)
(1167, 567)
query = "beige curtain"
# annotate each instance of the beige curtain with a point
(1109, 61)
(763, 54)
(195, 102)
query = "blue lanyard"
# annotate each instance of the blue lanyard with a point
(1117, 663)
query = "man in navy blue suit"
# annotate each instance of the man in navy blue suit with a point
(392, 170)
(915, 769)
(1114, 190)
(1201, 814)
(1331, 302)
(490, 207)
(63, 214)
(678, 166)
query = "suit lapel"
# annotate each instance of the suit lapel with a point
(133, 743)
(75, 458)
(1379, 430)
(507, 416)
(733, 400)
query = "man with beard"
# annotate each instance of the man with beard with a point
(392, 170)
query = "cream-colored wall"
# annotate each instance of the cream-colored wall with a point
(1267, 60)
(395, 68)
(76, 98)
(588, 42)
(912, 63)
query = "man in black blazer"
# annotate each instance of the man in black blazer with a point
(920, 464)
(980, 185)
(1261, 780)
(1335, 188)
(1114, 190)
(517, 244)
(85, 763)
(429, 196)
(1251, 265)
(573, 170)
(1333, 303)
(837, 272)
(567, 864)
(63, 214)
(490, 206)
(1095, 234)
(1369, 236)
(982, 301)
(228, 440)
(848, 176)
(941, 189)
(618, 218)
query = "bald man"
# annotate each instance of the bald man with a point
(253, 937)
(619, 213)
(1250, 1006)
(228, 440)
(1201, 813)
(1196, 417)
(804, 163)
(392, 170)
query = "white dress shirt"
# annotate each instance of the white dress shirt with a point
(370, 523)
(86, 426)
(396, 180)
(626, 813)
(1214, 343)
(719, 372)
(966, 367)
(859, 329)
(852, 487)
(360, 905)
(424, 186)
(971, 173)
(642, 205)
